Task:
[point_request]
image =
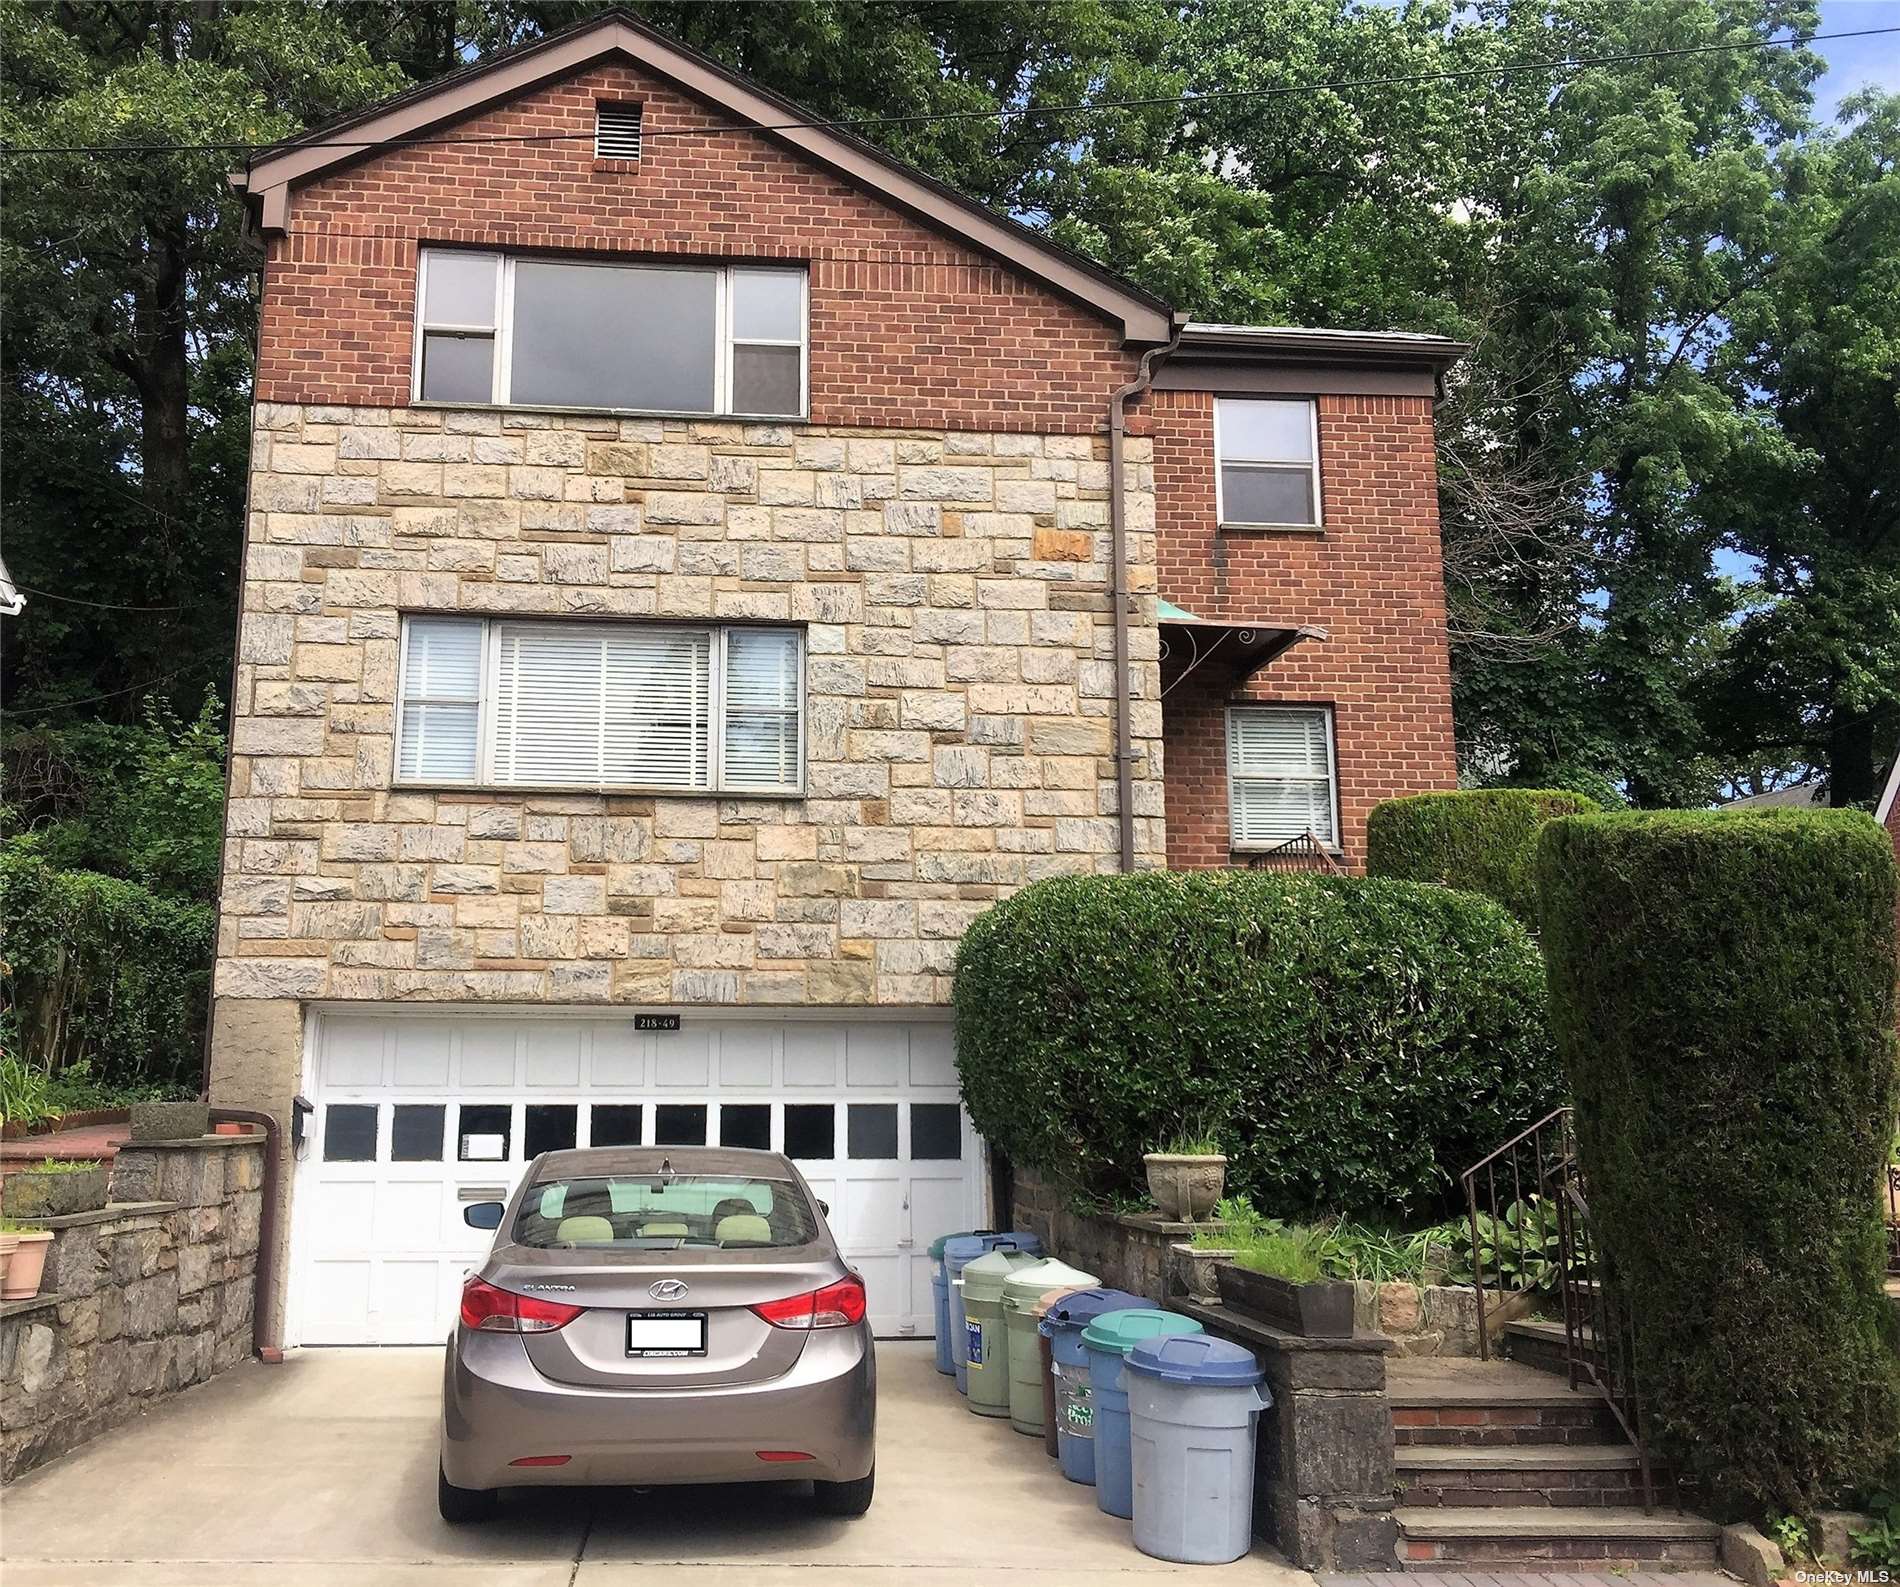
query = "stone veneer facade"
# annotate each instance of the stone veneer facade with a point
(959, 710)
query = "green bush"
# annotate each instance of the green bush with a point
(1722, 990)
(1353, 1044)
(102, 972)
(1483, 841)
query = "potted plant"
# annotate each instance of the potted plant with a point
(53, 1188)
(1185, 1175)
(1278, 1276)
(1198, 1259)
(25, 1262)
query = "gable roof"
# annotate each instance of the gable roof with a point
(272, 175)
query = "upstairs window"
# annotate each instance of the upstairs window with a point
(644, 706)
(725, 339)
(616, 132)
(1267, 463)
(1280, 775)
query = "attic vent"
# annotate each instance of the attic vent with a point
(616, 132)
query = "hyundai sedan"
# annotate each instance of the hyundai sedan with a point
(654, 1315)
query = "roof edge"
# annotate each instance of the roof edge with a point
(272, 175)
(1236, 343)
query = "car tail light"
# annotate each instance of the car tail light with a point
(502, 1311)
(838, 1305)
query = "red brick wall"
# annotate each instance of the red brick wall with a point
(1373, 578)
(907, 327)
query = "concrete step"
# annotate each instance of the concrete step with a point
(1543, 1345)
(1520, 1475)
(1544, 1539)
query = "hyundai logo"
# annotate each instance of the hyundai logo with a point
(667, 1289)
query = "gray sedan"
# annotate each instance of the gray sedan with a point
(655, 1315)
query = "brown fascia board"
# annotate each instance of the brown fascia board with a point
(273, 175)
(1231, 344)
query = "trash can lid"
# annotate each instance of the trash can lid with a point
(1081, 1307)
(937, 1245)
(1029, 1284)
(1039, 1307)
(960, 1249)
(1118, 1332)
(983, 1278)
(1196, 1359)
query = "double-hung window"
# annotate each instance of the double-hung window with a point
(1266, 463)
(645, 338)
(1280, 775)
(648, 706)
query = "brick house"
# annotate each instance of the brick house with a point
(695, 565)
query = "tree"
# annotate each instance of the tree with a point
(1811, 675)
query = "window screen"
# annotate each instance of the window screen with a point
(1268, 470)
(1279, 775)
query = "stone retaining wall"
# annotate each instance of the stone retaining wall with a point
(145, 1297)
(1131, 1251)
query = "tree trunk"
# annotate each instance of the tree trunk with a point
(164, 379)
(1850, 759)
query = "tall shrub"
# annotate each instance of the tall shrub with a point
(1722, 992)
(1353, 1043)
(1482, 840)
(101, 971)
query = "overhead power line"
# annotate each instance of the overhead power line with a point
(1569, 63)
(103, 606)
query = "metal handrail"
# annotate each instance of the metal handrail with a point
(1546, 1145)
(1893, 1218)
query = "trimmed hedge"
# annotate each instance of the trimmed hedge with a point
(1482, 840)
(1353, 1044)
(1722, 989)
(102, 972)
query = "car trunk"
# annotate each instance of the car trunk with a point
(598, 1348)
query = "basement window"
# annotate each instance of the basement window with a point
(1281, 777)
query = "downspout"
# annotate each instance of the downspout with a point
(1118, 592)
(264, 1279)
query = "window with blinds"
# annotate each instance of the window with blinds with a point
(601, 705)
(1280, 775)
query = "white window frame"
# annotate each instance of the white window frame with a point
(501, 380)
(492, 631)
(1234, 844)
(1310, 463)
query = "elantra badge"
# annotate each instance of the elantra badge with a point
(667, 1289)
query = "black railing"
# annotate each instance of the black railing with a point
(1893, 1218)
(1600, 1326)
(1513, 1228)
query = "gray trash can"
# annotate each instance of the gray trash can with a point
(1193, 1405)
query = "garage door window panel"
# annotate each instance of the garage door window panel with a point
(747, 1125)
(616, 1124)
(679, 1124)
(349, 1133)
(646, 707)
(549, 1127)
(415, 1132)
(936, 1131)
(485, 1132)
(871, 1131)
(811, 1131)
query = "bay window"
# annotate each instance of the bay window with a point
(645, 706)
(644, 338)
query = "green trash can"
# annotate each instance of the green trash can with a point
(1021, 1291)
(982, 1283)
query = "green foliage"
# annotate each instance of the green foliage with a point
(1878, 1543)
(76, 1089)
(1790, 1534)
(1722, 989)
(103, 971)
(62, 1165)
(1291, 1254)
(1519, 1249)
(1358, 1041)
(24, 1093)
(1484, 840)
(8, 1226)
(142, 802)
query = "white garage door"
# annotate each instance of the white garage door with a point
(416, 1115)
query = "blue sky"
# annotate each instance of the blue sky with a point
(1854, 63)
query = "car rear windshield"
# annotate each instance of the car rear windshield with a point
(658, 1214)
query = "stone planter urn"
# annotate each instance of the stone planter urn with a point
(25, 1264)
(42, 1193)
(1185, 1188)
(1194, 1270)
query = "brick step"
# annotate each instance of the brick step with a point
(1543, 1345)
(1570, 1475)
(1430, 1538)
(1513, 1414)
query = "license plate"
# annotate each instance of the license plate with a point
(666, 1333)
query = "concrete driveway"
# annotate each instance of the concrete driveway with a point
(323, 1471)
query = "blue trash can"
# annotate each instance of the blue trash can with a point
(940, 1296)
(1075, 1410)
(1108, 1340)
(957, 1255)
(1193, 1404)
